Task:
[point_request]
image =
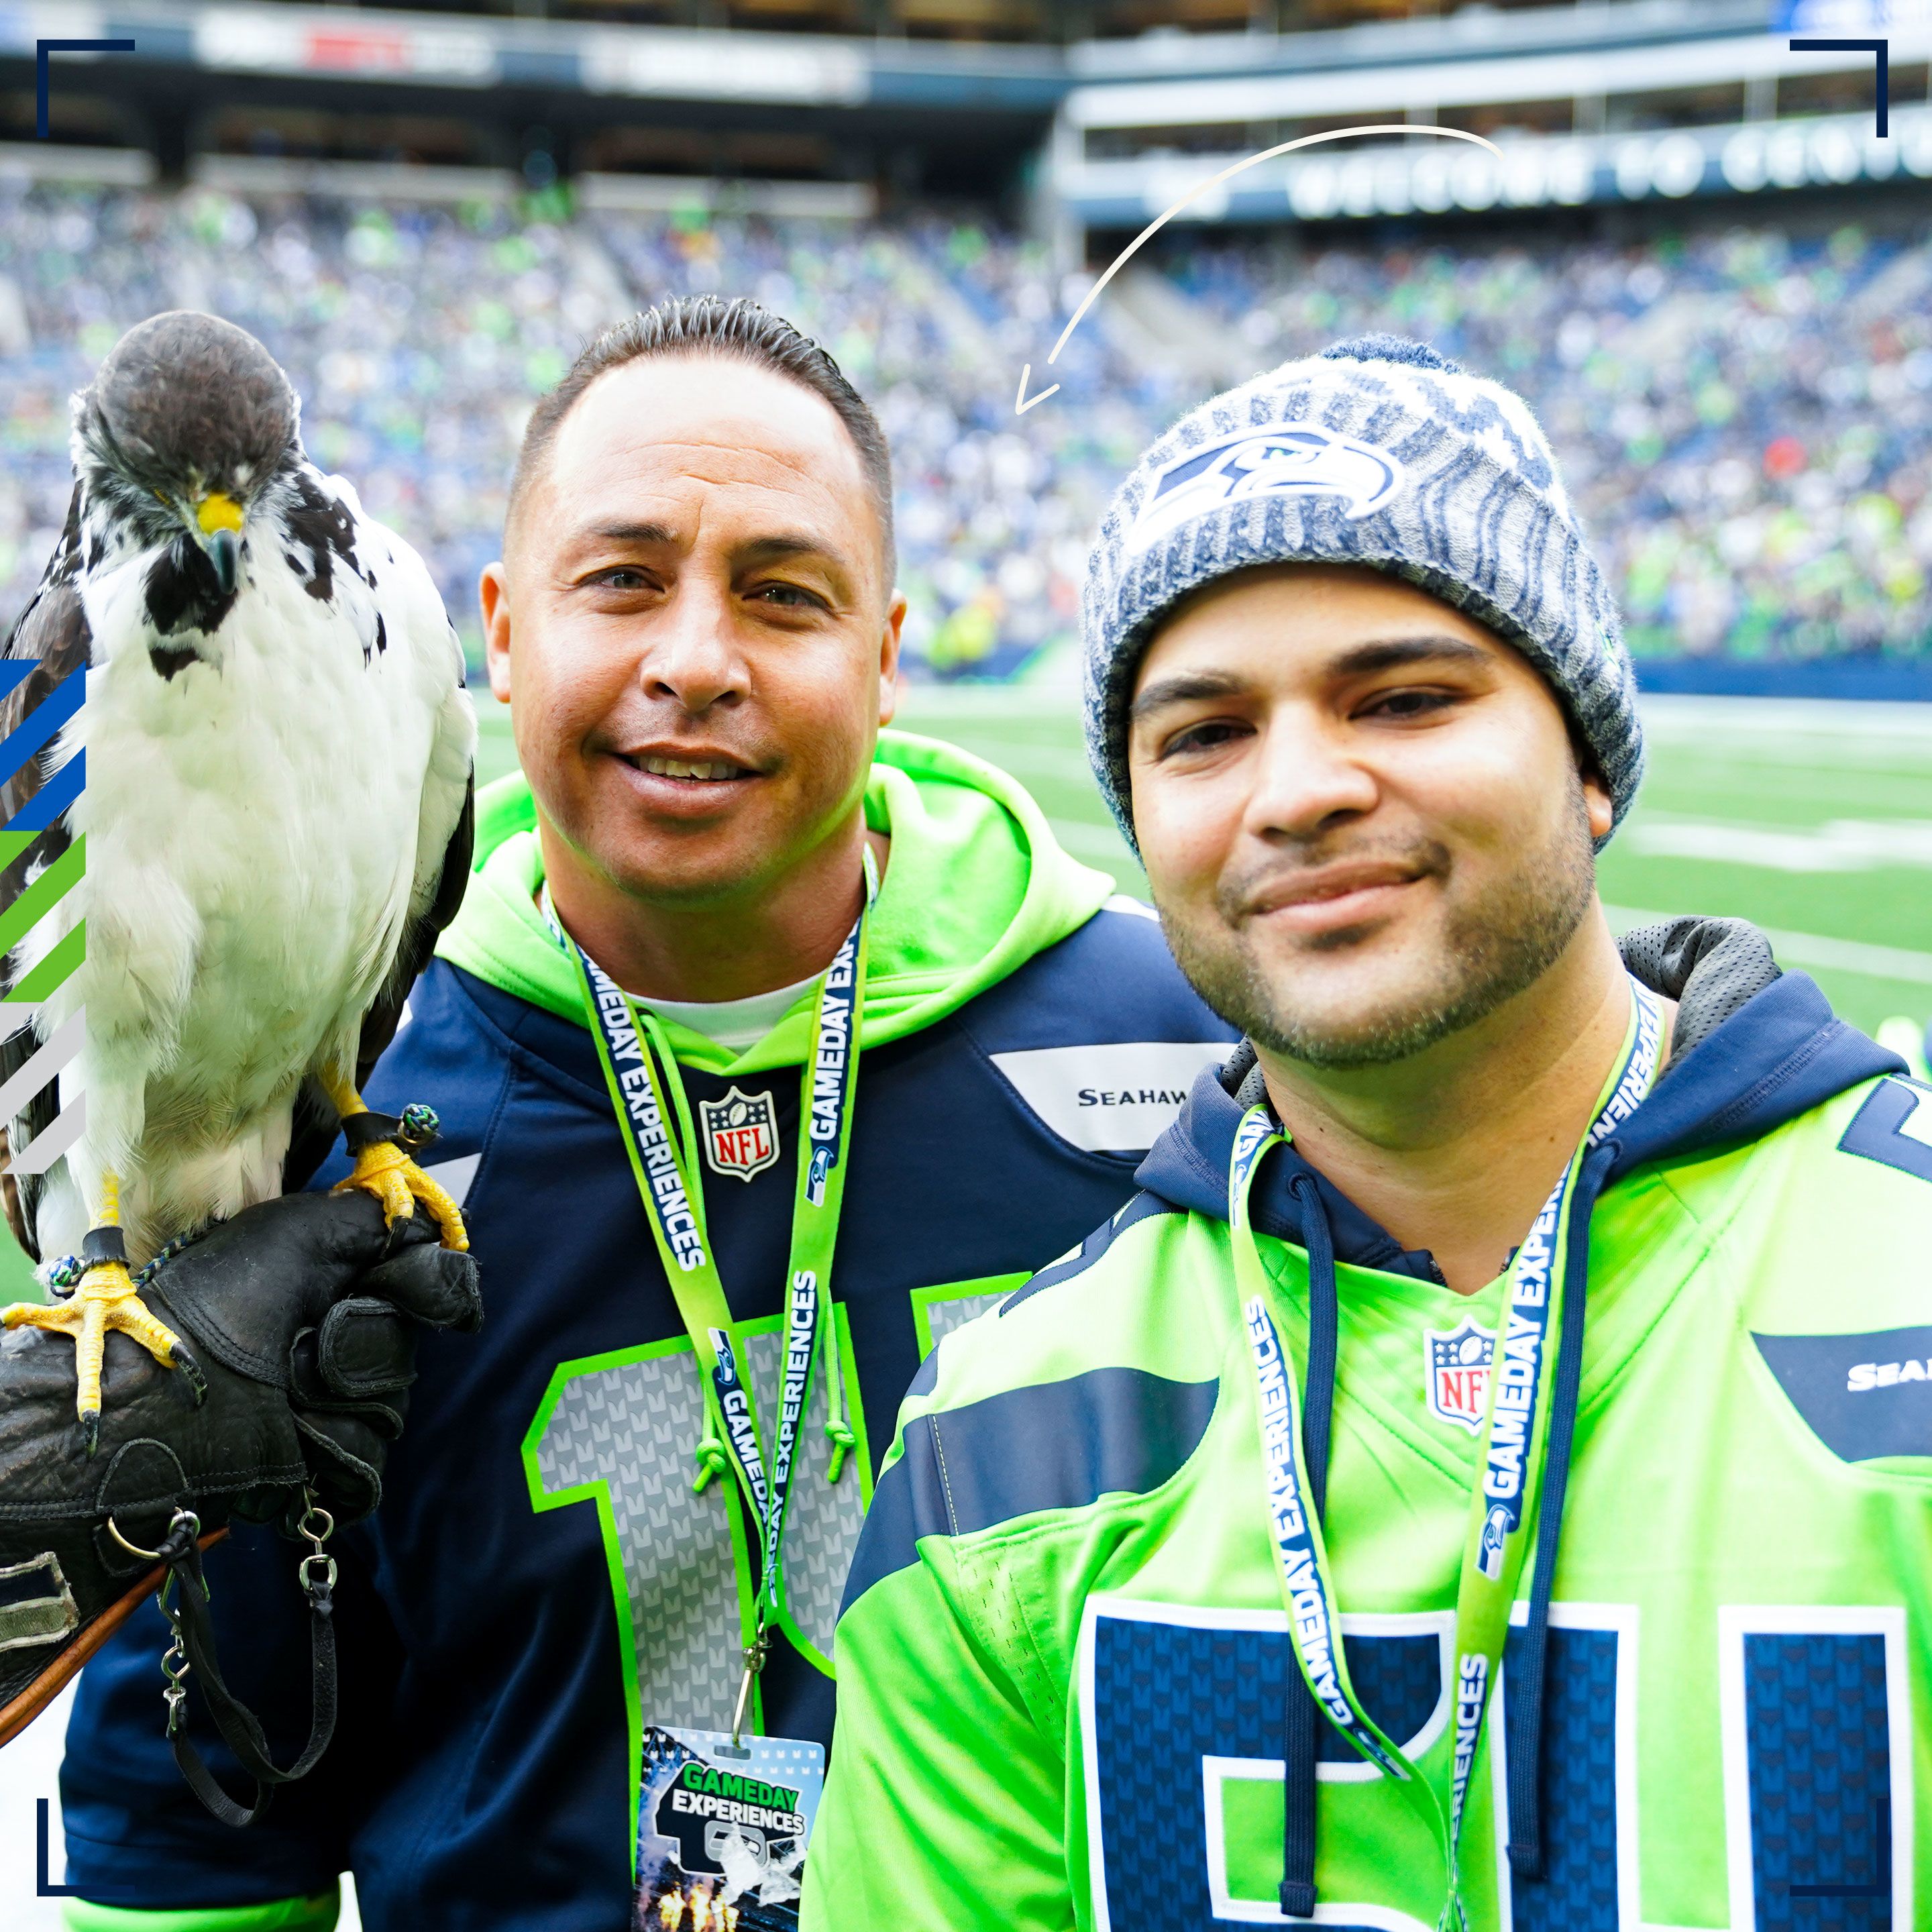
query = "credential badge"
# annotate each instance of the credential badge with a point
(1456, 1373)
(740, 1133)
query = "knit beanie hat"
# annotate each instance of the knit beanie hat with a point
(1378, 452)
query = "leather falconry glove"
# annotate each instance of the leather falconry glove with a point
(301, 1314)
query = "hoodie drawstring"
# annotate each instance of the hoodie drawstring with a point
(1523, 1712)
(844, 1441)
(711, 1456)
(1302, 1721)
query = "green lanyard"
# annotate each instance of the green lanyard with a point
(647, 1094)
(1502, 1511)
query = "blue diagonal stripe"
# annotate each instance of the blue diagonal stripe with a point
(53, 798)
(41, 723)
(14, 671)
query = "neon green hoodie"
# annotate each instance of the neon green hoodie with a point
(976, 886)
(1065, 1656)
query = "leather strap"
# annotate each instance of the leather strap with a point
(240, 1728)
(21, 1711)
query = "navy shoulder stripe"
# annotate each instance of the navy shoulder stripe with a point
(1140, 1208)
(1889, 1128)
(1058, 1445)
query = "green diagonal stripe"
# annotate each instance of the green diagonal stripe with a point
(42, 896)
(13, 844)
(42, 982)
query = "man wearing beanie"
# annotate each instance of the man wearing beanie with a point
(1484, 1478)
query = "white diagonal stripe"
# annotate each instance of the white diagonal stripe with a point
(43, 1065)
(49, 1145)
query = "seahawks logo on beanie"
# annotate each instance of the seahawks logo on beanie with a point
(1286, 459)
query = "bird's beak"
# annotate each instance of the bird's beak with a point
(217, 517)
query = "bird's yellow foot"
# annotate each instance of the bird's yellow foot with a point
(103, 1299)
(382, 1144)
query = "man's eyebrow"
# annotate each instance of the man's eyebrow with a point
(787, 544)
(1185, 688)
(630, 533)
(1363, 660)
(1381, 654)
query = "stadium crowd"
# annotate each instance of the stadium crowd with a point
(1743, 417)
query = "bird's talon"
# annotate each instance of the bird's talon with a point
(191, 1374)
(104, 1300)
(384, 1169)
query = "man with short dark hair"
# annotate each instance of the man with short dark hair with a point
(1298, 1552)
(767, 1048)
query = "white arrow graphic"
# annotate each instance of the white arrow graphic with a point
(1023, 402)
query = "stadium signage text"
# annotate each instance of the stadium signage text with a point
(1530, 172)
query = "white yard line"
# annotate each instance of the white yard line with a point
(1838, 845)
(1672, 716)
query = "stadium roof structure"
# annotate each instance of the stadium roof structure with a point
(1641, 101)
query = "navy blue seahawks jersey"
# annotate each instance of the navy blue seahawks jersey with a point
(543, 1581)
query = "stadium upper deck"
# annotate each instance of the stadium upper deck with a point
(1744, 419)
(423, 212)
(1105, 110)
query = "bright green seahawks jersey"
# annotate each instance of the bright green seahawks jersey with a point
(1063, 1659)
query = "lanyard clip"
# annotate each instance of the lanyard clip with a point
(175, 1667)
(754, 1662)
(316, 1528)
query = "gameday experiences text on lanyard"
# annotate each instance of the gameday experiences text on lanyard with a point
(1502, 1513)
(641, 1071)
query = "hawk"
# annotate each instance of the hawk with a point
(277, 816)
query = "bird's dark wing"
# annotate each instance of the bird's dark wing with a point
(315, 1125)
(53, 628)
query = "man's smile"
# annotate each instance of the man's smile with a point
(710, 771)
(1323, 899)
(681, 781)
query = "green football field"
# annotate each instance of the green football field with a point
(1813, 820)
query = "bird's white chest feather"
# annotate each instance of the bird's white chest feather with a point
(252, 825)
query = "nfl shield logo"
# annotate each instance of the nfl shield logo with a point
(1455, 1369)
(740, 1133)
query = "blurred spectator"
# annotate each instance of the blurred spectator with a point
(1743, 418)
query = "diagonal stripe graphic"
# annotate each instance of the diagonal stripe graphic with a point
(41, 723)
(47, 1147)
(53, 798)
(55, 1057)
(46, 1064)
(42, 895)
(48, 976)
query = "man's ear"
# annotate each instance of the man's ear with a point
(889, 660)
(493, 596)
(1597, 800)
